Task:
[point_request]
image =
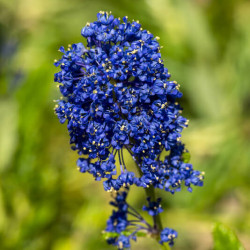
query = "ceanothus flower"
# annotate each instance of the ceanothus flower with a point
(125, 222)
(117, 95)
(118, 223)
(168, 235)
(154, 207)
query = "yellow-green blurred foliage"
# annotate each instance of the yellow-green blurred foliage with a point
(45, 203)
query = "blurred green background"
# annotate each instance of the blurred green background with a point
(45, 203)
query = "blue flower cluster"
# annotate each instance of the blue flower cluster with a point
(117, 95)
(154, 207)
(168, 235)
(118, 223)
(123, 229)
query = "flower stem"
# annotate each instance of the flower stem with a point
(165, 246)
(150, 192)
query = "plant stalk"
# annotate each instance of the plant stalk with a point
(150, 192)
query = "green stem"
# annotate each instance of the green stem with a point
(150, 192)
(165, 246)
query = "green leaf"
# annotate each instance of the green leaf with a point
(107, 235)
(186, 157)
(225, 238)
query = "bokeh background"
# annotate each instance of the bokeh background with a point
(45, 203)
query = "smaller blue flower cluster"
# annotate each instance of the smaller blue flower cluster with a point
(118, 223)
(168, 235)
(154, 207)
(121, 229)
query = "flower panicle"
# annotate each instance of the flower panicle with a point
(117, 97)
(118, 100)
